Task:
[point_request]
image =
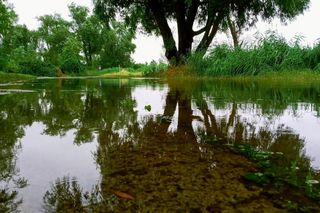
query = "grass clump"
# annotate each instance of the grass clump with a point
(270, 54)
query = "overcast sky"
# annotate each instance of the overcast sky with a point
(150, 48)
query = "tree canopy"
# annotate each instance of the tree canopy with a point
(84, 41)
(7, 17)
(206, 15)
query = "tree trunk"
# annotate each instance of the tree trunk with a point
(185, 130)
(167, 37)
(185, 33)
(185, 16)
(234, 33)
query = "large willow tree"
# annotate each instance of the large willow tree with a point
(206, 15)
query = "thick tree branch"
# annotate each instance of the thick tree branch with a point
(233, 31)
(210, 34)
(204, 29)
(192, 12)
(168, 40)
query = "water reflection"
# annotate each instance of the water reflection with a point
(162, 158)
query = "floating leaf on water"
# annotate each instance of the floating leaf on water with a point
(124, 195)
(147, 107)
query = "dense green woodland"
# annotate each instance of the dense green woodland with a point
(103, 39)
(85, 42)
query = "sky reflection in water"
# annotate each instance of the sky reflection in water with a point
(68, 128)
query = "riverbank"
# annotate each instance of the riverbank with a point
(12, 77)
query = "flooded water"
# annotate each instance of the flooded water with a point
(148, 145)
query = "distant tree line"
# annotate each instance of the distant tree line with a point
(85, 42)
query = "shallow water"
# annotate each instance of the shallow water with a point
(74, 143)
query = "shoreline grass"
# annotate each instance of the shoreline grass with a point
(271, 53)
(11, 77)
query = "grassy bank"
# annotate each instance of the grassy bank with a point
(9, 77)
(272, 54)
(136, 70)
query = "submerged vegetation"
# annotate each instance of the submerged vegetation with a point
(276, 170)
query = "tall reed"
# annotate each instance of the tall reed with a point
(270, 54)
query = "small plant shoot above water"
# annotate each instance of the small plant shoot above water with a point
(147, 107)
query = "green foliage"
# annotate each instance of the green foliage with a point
(117, 47)
(28, 62)
(53, 33)
(58, 43)
(8, 201)
(154, 17)
(275, 170)
(8, 18)
(37, 67)
(104, 45)
(151, 68)
(7, 77)
(70, 58)
(72, 66)
(88, 30)
(256, 177)
(65, 194)
(148, 108)
(271, 54)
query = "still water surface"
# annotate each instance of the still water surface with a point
(63, 141)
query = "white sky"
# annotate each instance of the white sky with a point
(150, 48)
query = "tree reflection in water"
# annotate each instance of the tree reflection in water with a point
(175, 171)
(161, 168)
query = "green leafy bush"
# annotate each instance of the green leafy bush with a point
(152, 68)
(37, 67)
(72, 65)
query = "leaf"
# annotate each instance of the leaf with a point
(148, 108)
(124, 195)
